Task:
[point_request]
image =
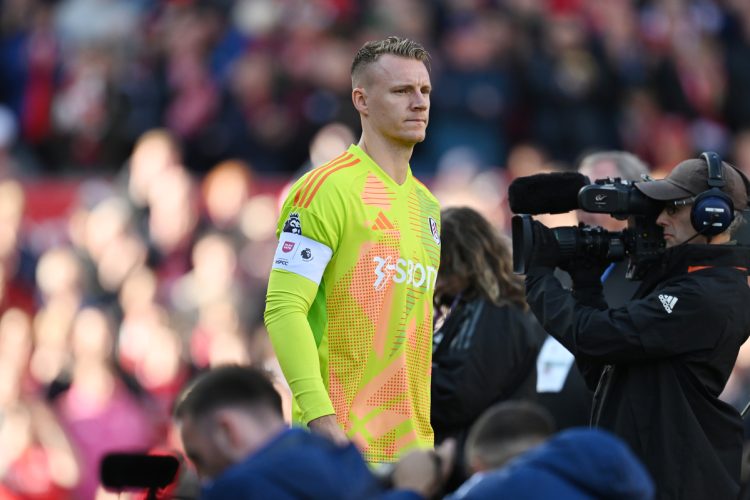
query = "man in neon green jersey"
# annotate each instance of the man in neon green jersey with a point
(349, 305)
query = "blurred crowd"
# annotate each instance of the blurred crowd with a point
(182, 121)
(256, 79)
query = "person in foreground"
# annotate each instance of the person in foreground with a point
(232, 429)
(349, 301)
(575, 464)
(485, 349)
(659, 362)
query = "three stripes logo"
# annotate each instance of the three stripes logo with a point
(382, 222)
(668, 302)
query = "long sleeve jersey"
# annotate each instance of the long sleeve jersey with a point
(349, 304)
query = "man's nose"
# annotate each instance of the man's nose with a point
(662, 219)
(420, 101)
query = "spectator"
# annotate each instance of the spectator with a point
(576, 464)
(485, 348)
(98, 409)
(505, 431)
(38, 459)
(232, 430)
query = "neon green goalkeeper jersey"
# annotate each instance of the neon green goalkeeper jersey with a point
(349, 304)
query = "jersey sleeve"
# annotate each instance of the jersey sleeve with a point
(307, 241)
(288, 300)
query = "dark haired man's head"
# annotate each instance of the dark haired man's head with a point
(371, 51)
(229, 385)
(505, 431)
(226, 414)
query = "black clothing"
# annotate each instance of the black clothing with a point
(668, 353)
(617, 288)
(483, 354)
(571, 406)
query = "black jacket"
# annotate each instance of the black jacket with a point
(668, 353)
(483, 354)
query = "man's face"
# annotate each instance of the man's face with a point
(397, 90)
(677, 226)
(201, 443)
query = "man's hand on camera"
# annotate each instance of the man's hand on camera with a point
(585, 272)
(545, 252)
(329, 427)
(586, 275)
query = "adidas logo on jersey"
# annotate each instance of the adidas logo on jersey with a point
(668, 302)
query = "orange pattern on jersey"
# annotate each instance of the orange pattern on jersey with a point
(375, 193)
(381, 323)
(384, 395)
(305, 187)
(313, 176)
(375, 300)
(351, 331)
(405, 440)
(382, 449)
(306, 202)
(366, 401)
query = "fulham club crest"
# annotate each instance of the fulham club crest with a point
(434, 230)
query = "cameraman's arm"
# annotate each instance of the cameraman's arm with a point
(553, 305)
(642, 329)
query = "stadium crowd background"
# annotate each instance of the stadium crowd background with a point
(145, 145)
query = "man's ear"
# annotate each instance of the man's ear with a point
(476, 464)
(359, 99)
(227, 435)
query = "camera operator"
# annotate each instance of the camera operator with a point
(660, 361)
(560, 386)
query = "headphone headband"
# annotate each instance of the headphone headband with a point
(713, 211)
(715, 169)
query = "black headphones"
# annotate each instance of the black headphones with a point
(713, 210)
